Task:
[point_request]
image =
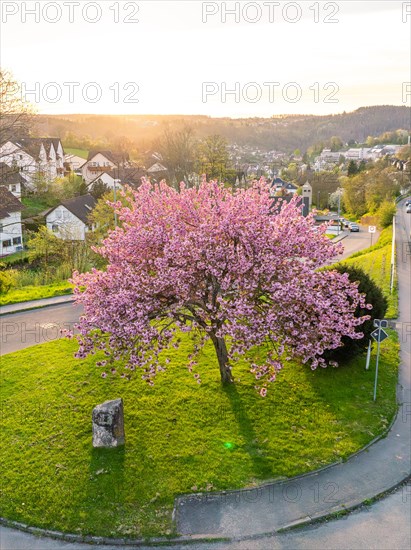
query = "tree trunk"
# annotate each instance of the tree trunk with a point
(222, 355)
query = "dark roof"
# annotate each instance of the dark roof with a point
(30, 145)
(99, 176)
(127, 176)
(47, 142)
(8, 202)
(9, 175)
(114, 156)
(79, 206)
(132, 176)
(33, 145)
(279, 181)
(284, 184)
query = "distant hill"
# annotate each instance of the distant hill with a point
(284, 133)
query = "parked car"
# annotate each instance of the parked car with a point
(408, 202)
(354, 227)
(408, 209)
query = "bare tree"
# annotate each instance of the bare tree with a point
(16, 114)
(178, 150)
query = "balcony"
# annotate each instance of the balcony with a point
(100, 168)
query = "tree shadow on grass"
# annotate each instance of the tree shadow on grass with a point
(262, 466)
(106, 488)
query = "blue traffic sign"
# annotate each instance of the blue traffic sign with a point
(379, 335)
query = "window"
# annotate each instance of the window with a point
(13, 188)
(6, 243)
(54, 228)
(17, 240)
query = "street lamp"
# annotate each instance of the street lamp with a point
(339, 208)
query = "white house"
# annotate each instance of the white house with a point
(278, 185)
(70, 219)
(103, 161)
(108, 179)
(12, 179)
(34, 156)
(11, 236)
(73, 163)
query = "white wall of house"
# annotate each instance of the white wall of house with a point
(60, 159)
(49, 165)
(66, 225)
(11, 236)
(12, 155)
(74, 161)
(14, 188)
(92, 168)
(109, 181)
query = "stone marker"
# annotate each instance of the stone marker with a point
(108, 424)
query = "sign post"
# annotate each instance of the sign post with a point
(371, 229)
(379, 336)
(367, 363)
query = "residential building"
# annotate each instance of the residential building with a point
(70, 219)
(12, 179)
(11, 235)
(73, 163)
(279, 186)
(32, 157)
(103, 161)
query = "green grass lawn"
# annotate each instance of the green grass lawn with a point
(376, 261)
(79, 152)
(181, 437)
(21, 255)
(27, 293)
(34, 205)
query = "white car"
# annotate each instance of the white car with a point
(408, 209)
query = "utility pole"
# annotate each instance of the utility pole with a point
(339, 210)
(392, 256)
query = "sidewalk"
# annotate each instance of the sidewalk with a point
(274, 507)
(343, 234)
(34, 304)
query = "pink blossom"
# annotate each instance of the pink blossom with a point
(226, 265)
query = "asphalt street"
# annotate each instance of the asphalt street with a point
(386, 525)
(29, 328)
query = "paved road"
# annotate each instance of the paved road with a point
(355, 242)
(384, 526)
(28, 328)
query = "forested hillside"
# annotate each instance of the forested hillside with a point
(284, 133)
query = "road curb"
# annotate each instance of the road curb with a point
(40, 305)
(186, 540)
(197, 539)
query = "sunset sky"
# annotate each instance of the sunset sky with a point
(166, 58)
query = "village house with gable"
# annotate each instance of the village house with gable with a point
(11, 235)
(70, 219)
